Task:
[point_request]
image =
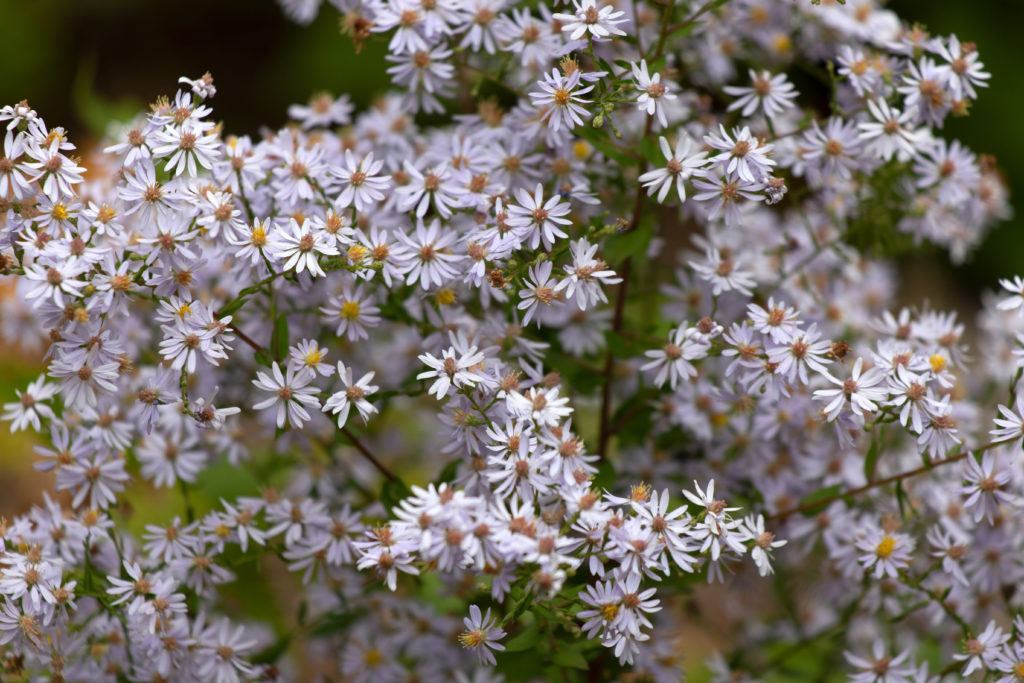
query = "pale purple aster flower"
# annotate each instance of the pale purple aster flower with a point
(600, 24)
(680, 167)
(292, 392)
(653, 93)
(772, 94)
(353, 394)
(860, 391)
(482, 635)
(299, 246)
(559, 99)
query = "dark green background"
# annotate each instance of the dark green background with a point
(82, 62)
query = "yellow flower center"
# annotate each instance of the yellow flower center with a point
(372, 658)
(259, 236)
(356, 253)
(445, 296)
(473, 638)
(938, 362)
(609, 612)
(350, 310)
(886, 547)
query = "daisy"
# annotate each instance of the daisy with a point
(886, 552)
(426, 255)
(183, 342)
(426, 75)
(910, 394)
(354, 310)
(55, 172)
(323, 111)
(880, 667)
(588, 19)
(653, 93)
(54, 282)
(586, 274)
(222, 649)
(308, 355)
(724, 273)
(891, 132)
(541, 288)
(985, 485)
(860, 391)
(543, 406)
(982, 650)
(98, 478)
(83, 378)
(741, 153)
(539, 220)
(963, 66)
(940, 433)
(14, 181)
(801, 352)
(680, 167)
(764, 542)
(299, 246)
(778, 321)
(772, 94)
(30, 406)
(354, 393)
(436, 184)
(830, 152)
(724, 194)
(559, 101)
(363, 183)
(452, 369)
(673, 361)
(481, 635)
(290, 393)
(189, 146)
(1010, 426)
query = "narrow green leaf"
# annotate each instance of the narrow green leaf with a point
(571, 658)
(872, 456)
(524, 641)
(279, 341)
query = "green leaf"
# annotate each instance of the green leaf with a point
(279, 340)
(629, 244)
(393, 492)
(272, 653)
(901, 499)
(652, 152)
(524, 602)
(449, 472)
(872, 456)
(524, 641)
(570, 658)
(232, 307)
(605, 477)
(335, 622)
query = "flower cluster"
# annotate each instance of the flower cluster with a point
(619, 257)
